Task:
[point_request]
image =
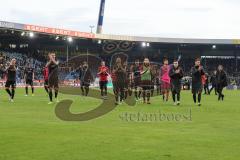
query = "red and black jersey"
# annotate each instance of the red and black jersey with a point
(103, 73)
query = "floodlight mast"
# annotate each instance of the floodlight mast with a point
(100, 17)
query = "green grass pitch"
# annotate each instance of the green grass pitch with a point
(30, 130)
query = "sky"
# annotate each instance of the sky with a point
(214, 19)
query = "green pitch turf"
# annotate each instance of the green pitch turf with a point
(30, 130)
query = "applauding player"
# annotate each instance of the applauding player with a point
(213, 80)
(29, 77)
(120, 80)
(85, 77)
(136, 74)
(103, 79)
(11, 79)
(197, 85)
(52, 77)
(146, 80)
(221, 79)
(165, 79)
(176, 74)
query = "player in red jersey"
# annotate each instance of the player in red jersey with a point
(103, 79)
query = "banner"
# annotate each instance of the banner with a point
(57, 31)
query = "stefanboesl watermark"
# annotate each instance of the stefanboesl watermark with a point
(156, 116)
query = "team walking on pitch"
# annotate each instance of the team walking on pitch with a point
(139, 78)
(142, 78)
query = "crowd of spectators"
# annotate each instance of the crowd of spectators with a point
(22, 61)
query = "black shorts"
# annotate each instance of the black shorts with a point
(53, 83)
(85, 84)
(197, 88)
(29, 82)
(103, 84)
(10, 84)
(176, 88)
(146, 85)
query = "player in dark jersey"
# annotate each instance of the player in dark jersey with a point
(176, 74)
(197, 84)
(128, 87)
(136, 74)
(120, 81)
(221, 81)
(29, 77)
(52, 77)
(11, 79)
(85, 77)
(213, 80)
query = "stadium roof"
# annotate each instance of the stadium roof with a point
(78, 34)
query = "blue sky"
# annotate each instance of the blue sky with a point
(161, 18)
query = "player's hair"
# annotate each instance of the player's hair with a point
(14, 59)
(175, 60)
(197, 59)
(165, 59)
(118, 60)
(149, 63)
